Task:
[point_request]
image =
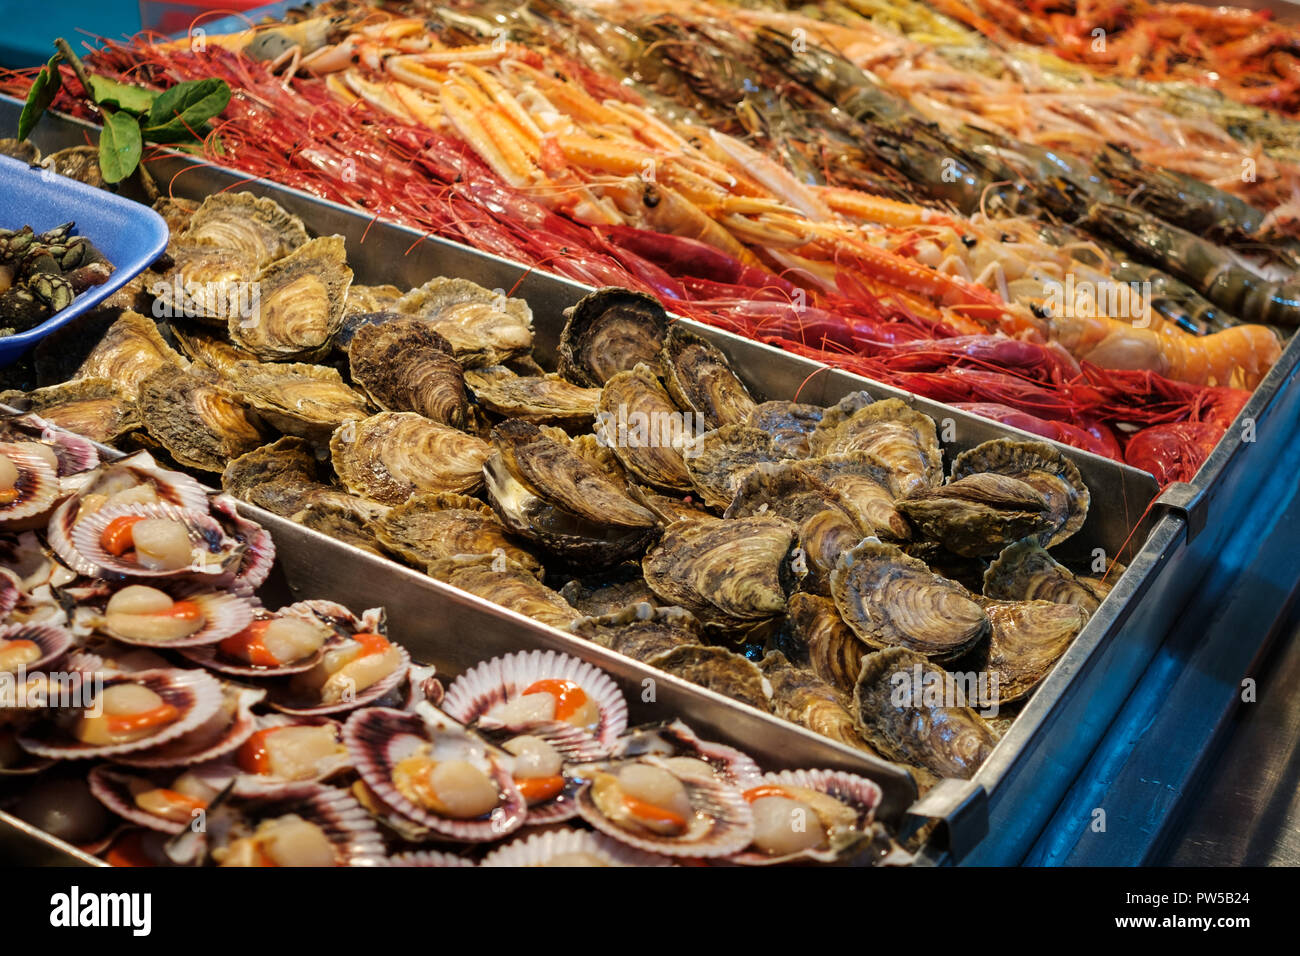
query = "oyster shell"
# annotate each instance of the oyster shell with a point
(1043, 468)
(483, 327)
(535, 398)
(507, 584)
(803, 698)
(834, 651)
(918, 728)
(364, 299)
(392, 455)
(310, 401)
(724, 572)
(700, 379)
(640, 631)
(176, 212)
(718, 459)
(130, 351)
(406, 366)
(300, 304)
(241, 222)
(892, 600)
(979, 514)
(428, 528)
(343, 517)
(790, 424)
(904, 439)
(610, 331)
(207, 346)
(196, 418)
(640, 423)
(718, 669)
(609, 592)
(1026, 572)
(1028, 639)
(94, 408)
(274, 477)
(866, 485)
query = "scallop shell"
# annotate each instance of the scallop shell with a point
(857, 792)
(610, 331)
(903, 438)
(211, 657)
(426, 858)
(392, 455)
(346, 823)
(700, 379)
(74, 453)
(640, 423)
(676, 739)
(224, 614)
(539, 849)
(283, 699)
(484, 327)
(220, 773)
(406, 366)
(53, 642)
(111, 786)
(36, 488)
(224, 732)
(310, 401)
(258, 549)
(216, 554)
(473, 694)
(1044, 469)
(378, 738)
(196, 694)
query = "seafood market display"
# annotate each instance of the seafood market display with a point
(41, 273)
(158, 713)
(1103, 261)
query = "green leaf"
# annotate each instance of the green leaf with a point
(46, 86)
(122, 96)
(120, 146)
(179, 113)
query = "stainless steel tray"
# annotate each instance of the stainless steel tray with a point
(1057, 730)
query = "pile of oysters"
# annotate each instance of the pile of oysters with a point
(798, 559)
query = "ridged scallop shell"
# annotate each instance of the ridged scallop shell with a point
(473, 694)
(717, 460)
(216, 555)
(195, 694)
(483, 327)
(890, 599)
(700, 379)
(539, 849)
(52, 641)
(222, 733)
(676, 739)
(392, 455)
(901, 437)
(286, 702)
(638, 421)
(224, 614)
(211, 656)
(258, 548)
(610, 331)
(404, 365)
(849, 789)
(111, 786)
(298, 399)
(1043, 468)
(36, 488)
(1024, 571)
(542, 399)
(378, 738)
(426, 858)
(74, 453)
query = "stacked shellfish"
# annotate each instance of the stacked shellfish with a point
(639, 496)
(304, 737)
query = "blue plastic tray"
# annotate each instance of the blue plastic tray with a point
(130, 235)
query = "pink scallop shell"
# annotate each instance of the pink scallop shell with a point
(212, 740)
(111, 786)
(196, 693)
(344, 820)
(224, 614)
(259, 550)
(537, 849)
(221, 553)
(859, 792)
(378, 738)
(11, 591)
(219, 773)
(427, 858)
(473, 694)
(211, 656)
(75, 454)
(681, 741)
(38, 485)
(281, 698)
(53, 641)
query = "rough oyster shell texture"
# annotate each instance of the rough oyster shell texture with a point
(833, 650)
(641, 631)
(901, 437)
(310, 401)
(919, 727)
(543, 399)
(890, 599)
(978, 514)
(392, 455)
(1028, 639)
(94, 408)
(700, 379)
(208, 346)
(1043, 468)
(241, 222)
(483, 327)
(718, 459)
(635, 413)
(866, 485)
(405, 366)
(193, 415)
(275, 476)
(129, 352)
(428, 528)
(608, 592)
(717, 669)
(610, 331)
(790, 424)
(508, 585)
(803, 698)
(1026, 572)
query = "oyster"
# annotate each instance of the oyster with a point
(719, 670)
(827, 527)
(364, 299)
(866, 485)
(245, 224)
(428, 528)
(977, 515)
(790, 424)
(483, 327)
(207, 346)
(834, 651)
(892, 600)
(700, 379)
(717, 460)
(207, 283)
(640, 631)
(724, 572)
(507, 584)
(300, 303)
(343, 517)
(919, 727)
(901, 437)
(1028, 639)
(176, 212)
(309, 401)
(534, 398)
(1043, 468)
(196, 418)
(609, 592)
(640, 423)
(1026, 572)
(392, 455)
(803, 698)
(406, 366)
(95, 408)
(611, 331)
(129, 352)
(274, 477)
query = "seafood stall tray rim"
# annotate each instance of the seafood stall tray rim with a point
(128, 236)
